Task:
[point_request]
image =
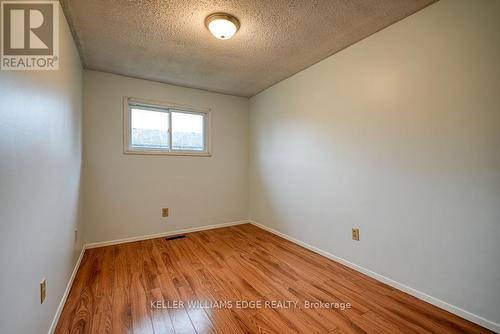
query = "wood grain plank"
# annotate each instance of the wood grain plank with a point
(114, 287)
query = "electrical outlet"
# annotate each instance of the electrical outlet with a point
(355, 234)
(76, 235)
(43, 290)
(164, 212)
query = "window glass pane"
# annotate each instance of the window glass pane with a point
(187, 132)
(149, 129)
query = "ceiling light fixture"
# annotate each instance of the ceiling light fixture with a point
(222, 25)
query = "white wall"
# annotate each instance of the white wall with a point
(40, 163)
(398, 135)
(124, 194)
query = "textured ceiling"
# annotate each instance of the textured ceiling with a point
(167, 41)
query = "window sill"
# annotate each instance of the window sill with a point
(179, 153)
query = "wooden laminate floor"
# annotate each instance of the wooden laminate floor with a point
(152, 287)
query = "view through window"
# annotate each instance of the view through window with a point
(166, 130)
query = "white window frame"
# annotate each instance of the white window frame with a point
(168, 107)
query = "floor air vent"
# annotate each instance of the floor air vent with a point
(175, 237)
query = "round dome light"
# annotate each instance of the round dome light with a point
(222, 26)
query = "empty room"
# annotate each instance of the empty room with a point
(249, 166)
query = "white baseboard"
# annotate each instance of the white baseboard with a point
(416, 293)
(163, 234)
(121, 241)
(66, 292)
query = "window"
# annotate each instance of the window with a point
(162, 128)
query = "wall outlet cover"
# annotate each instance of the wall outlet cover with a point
(355, 234)
(43, 290)
(164, 212)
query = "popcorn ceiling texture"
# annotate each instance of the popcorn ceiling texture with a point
(167, 41)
